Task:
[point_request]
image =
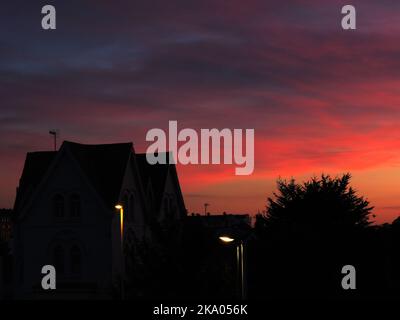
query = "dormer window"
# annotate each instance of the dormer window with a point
(58, 206)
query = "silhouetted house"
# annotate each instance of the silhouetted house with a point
(66, 216)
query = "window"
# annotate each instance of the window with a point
(58, 257)
(76, 260)
(58, 206)
(75, 206)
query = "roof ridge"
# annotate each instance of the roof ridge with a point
(97, 145)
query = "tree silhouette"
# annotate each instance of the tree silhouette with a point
(323, 202)
(308, 232)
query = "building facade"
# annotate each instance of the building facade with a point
(66, 216)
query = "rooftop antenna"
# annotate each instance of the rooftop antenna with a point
(206, 205)
(54, 133)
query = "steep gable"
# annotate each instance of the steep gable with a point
(155, 176)
(35, 167)
(155, 179)
(104, 165)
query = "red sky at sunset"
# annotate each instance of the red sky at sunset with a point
(321, 99)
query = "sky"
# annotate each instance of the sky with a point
(320, 99)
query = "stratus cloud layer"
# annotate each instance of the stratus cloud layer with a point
(320, 99)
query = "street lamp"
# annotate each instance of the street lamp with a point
(121, 222)
(239, 260)
(226, 239)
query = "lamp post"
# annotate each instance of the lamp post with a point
(206, 205)
(54, 133)
(121, 224)
(239, 261)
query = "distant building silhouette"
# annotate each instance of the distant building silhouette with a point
(224, 220)
(5, 224)
(5, 258)
(66, 217)
(219, 224)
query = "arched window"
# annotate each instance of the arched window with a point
(76, 260)
(59, 259)
(75, 206)
(58, 206)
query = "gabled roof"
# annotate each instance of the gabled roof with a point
(155, 175)
(36, 165)
(104, 165)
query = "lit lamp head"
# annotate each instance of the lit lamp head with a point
(226, 239)
(120, 208)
